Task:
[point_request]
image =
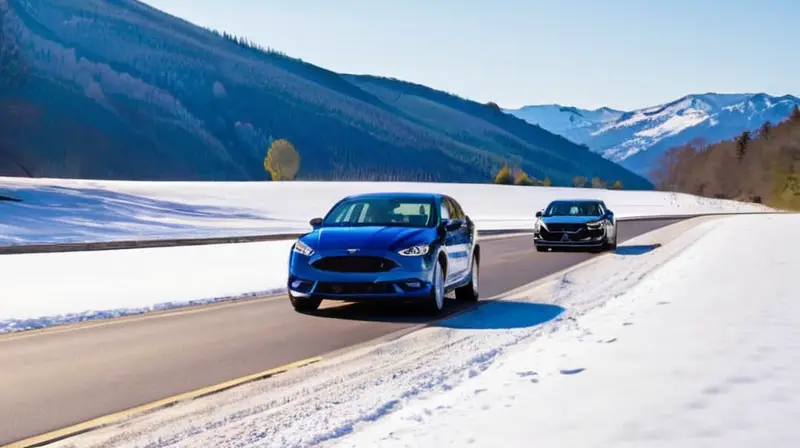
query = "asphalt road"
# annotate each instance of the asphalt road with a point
(54, 379)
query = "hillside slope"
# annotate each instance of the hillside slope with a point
(764, 167)
(637, 139)
(119, 90)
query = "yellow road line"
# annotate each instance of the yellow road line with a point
(60, 434)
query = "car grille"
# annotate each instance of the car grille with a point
(354, 264)
(565, 227)
(580, 235)
(354, 288)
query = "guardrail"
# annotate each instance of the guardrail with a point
(157, 243)
(175, 242)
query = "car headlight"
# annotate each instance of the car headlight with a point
(540, 225)
(301, 248)
(595, 224)
(415, 251)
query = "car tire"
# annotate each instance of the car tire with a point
(436, 300)
(541, 249)
(469, 292)
(611, 245)
(304, 304)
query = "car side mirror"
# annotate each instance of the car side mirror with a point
(454, 224)
(539, 214)
(316, 223)
(450, 225)
(609, 214)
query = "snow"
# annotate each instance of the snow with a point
(675, 124)
(84, 286)
(80, 286)
(672, 341)
(620, 136)
(63, 211)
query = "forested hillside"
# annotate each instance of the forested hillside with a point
(760, 167)
(119, 90)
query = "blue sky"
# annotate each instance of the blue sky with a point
(587, 53)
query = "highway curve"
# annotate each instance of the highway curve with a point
(57, 378)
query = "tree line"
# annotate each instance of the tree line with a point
(517, 176)
(761, 166)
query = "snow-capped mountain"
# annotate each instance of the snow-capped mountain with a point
(636, 139)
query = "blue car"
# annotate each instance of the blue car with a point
(575, 223)
(387, 246)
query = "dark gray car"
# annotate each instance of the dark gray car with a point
(575, 223)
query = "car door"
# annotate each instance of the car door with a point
(468, 237)
(450, 240)
(459, 247)
(611, 228)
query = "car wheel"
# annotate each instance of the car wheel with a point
(541, 249)
(304, 304)
(436, 300)
(469, 292)
(613, 246)
(609, 245)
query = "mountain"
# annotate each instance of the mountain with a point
(637, 139)
(116, 89)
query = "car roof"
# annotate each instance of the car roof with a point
(395, 194)
(597, 201)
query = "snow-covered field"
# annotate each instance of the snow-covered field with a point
(61, 211)
(690, 343)
(41, 290)
(81, 286)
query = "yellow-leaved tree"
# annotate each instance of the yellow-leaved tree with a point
(282, 161)
(504, 176)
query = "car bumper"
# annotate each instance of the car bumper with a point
(555, 239)
(576, 244)
(412, 279)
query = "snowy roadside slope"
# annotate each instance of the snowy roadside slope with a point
(398, 384)
(42, 290)
(703, 352)
(63, 210)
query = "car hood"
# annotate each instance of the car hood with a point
(367, 238)
(570, 219)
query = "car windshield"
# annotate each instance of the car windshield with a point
(399, 212)
(574, 208)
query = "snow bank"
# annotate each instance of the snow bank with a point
(667, 346)
(61, 211)
(702, 352)
(41, 290)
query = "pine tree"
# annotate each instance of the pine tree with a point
(765, 130)
(795, 115)
(741, 144)
(547, 182)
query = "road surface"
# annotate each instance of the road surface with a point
(53, 379)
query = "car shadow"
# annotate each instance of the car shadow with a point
(636, 250)
(489, 315)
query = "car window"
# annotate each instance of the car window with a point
(457, 212)
(444, 210)
(387, 211)
(574, 208)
